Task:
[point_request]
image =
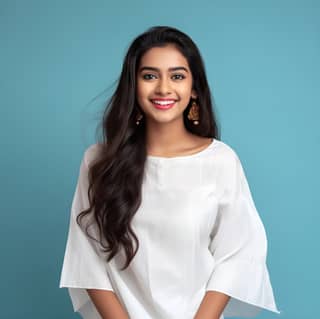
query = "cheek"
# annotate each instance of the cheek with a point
(142, 90)
(186, 88)
(142, 95)
(186, 92)
(139, 92)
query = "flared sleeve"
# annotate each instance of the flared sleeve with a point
(238, 244)
(83, 266)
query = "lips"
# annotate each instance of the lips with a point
(163, 103)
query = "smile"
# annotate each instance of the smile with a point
(163, 104)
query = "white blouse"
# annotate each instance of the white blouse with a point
(198, 230)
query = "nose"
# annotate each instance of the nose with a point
(163, 86)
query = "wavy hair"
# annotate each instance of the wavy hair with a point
(115, 177)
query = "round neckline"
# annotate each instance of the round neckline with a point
(163, 158)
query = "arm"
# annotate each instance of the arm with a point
(107, 304)
(84, 269)
(239, 248)
(212, 305)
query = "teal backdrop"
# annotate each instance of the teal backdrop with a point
(58, 61)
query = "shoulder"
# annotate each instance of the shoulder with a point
(225, 155)
(91, 153)
(230, 173)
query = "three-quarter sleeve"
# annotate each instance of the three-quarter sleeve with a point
(238, 244)
(83, 266)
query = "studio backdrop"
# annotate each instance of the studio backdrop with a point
(59, 61)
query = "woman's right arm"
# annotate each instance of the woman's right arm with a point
(107, 304)
(85, 270)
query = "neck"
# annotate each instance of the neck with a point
(166, 137)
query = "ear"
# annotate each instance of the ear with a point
(194, 95)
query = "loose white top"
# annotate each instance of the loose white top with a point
(198, 230)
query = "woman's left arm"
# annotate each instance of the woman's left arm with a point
(238, 244)
(212, 305)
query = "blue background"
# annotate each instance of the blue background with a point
(262, 61)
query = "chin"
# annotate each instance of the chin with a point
(166, 120)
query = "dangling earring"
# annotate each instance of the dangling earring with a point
(193, 114)
(138, 118)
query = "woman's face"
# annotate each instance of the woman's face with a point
(164, 84)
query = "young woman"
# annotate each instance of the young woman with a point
(163, 224)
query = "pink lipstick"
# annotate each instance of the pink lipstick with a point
(163, 104)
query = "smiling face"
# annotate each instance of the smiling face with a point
(164, 84)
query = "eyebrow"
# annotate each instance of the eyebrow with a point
(151, 68)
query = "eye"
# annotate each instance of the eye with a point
(148, 76)
(178, 77)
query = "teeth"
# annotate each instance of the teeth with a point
(163, 102)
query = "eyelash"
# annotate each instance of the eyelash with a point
(145, 76)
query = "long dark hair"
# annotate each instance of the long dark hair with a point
(115, 177)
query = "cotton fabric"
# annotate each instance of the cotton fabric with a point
(198, 230)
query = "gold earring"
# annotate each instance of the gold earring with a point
(138, 118)
(193, 114)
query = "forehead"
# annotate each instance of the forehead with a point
(164, 57)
